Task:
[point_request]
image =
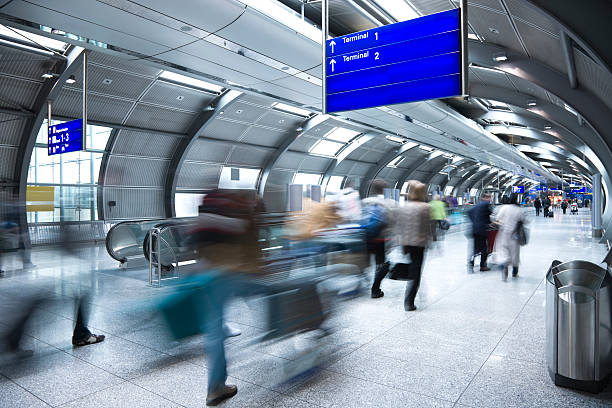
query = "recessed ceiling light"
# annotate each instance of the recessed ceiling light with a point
(499, 57)
(281, 121)
(547, 127)
(47, 75)
(532, 103)
(239, 111)
(71, 79)
(180, 97)
(107, 81)
(494, 30)
(185, 28)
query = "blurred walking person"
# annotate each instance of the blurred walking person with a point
(438, 217)
(510, 219)
(378, 221)
(480, 216)
(412, 226)
(537, 204)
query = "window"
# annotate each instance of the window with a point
(340, 134)
(306, 179)
(291, 109)
(186, 204)
(74, 176)
(335, 184)
(473, 192)
(243, 178)
(448, 190)
(326, 148)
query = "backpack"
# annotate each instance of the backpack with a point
(374, 221)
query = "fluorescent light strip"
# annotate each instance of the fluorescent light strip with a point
(341, 134)
(193, 82)
(291, 109)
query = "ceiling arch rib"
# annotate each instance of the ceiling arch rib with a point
(434, 159)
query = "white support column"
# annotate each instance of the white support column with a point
(596, 206)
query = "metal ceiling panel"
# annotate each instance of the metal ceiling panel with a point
(152, 117)
(232, 60)
(360, 169)
(255, 31)
(8, 157)
(431, 6)
(244, 112)
(10, 129)
(100, 108)
(284, 92)
(208, 15)
(179, 97)
(138, 172)
(23, 64)
(300, 85)
(280, 120)
(123, 63)
(16, 93)
(594, 78)
(275, 193)
(483, 20)
(542, 46)
(290, 160)
(314, 164)
(208, 151)
(210, 69)
(249, 156)
(145, 144)
(264, 136)
(132, 203)
(225, 129)
(366, 155)
(528, 88)
(122, 84)
(492, 4)
(303, 143)
(531, 14)
(198, 176)
(497, 78)
(256, 100)
(76, 17)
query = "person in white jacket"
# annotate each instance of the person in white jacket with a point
(507, 248)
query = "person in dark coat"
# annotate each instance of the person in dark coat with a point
(537, 204)
(546, 204)
(564, 206)
(480, 216)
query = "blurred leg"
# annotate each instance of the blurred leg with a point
(412, 286)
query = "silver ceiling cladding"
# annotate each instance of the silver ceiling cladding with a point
(145, 144)
(225, 129)
(16, 93)
(122, 85)
(136, 172)
(23, 64)
(153, 117)
(173, 96)
(99, 108)
(134, 203)
(199, 176)
(10, 129)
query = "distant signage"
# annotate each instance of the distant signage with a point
(518, 189)
(66, 137)
(419, 59)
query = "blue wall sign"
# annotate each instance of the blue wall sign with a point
(66, 137)
(518, 189)
(409, 61)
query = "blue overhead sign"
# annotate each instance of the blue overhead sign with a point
(518, 189)
(66, 137)
(413, 60)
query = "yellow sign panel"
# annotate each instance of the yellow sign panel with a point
(40, 198)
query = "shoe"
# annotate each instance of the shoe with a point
(515, 271)
(484, 268)
(378, 294)
(214, 398)
(504, 273)
(410, 308)
(231, 331)
(91, 339)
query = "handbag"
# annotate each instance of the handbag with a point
(444, 225)
(401, 272)
(520, 234)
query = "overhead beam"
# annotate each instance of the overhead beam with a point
(202, 120)
(409, 173)
(343, 154)
(570, 63)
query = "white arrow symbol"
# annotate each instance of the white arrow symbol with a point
(332, 43)
(332, 63)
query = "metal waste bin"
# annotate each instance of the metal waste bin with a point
(578, 325)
